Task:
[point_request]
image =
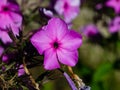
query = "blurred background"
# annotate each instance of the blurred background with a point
(99, 55)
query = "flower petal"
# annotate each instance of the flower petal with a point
(2, 2)
(5, 37)
(50, 60)
(71, 13)
(114, 4)
(41, 41)
(71, 41)
(59, 6)
(56, 28)
(13, 6)
(5, 21)
(74, 2)
(16, 18)
(66, 57)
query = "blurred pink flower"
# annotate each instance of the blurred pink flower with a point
(90, 30)
(114, 25)
(68, 8)
(9, 18)
(115, 4)
(57, 43)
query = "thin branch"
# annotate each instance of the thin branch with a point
(36, 86)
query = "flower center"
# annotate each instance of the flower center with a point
(66, 6)
(5, 8)
(56, 45)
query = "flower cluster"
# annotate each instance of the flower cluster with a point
(40, 41)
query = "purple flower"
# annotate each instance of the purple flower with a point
(90, 30)
(21, 71)
(5, 58)
(9, 18)
(68, 8)
(55, 41)
(114, 25)
(115, 4)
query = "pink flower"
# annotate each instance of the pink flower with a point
(9, 18)
(115, 4)
(57, 43)
(68, 8)
(114, 25)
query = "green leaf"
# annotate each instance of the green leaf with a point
(102, 71)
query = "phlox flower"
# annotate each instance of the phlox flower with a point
(115, 4)
(57, 43)
(68, 8)
(9, 18)
(114, 25)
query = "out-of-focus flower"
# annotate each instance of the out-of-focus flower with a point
(1, 50)
(115, 4)
(114, 25)
(21, 71)
(68, 8)
(5, 58)
(9, 18)
(55, 41)
(99, 6)
(90, 30)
